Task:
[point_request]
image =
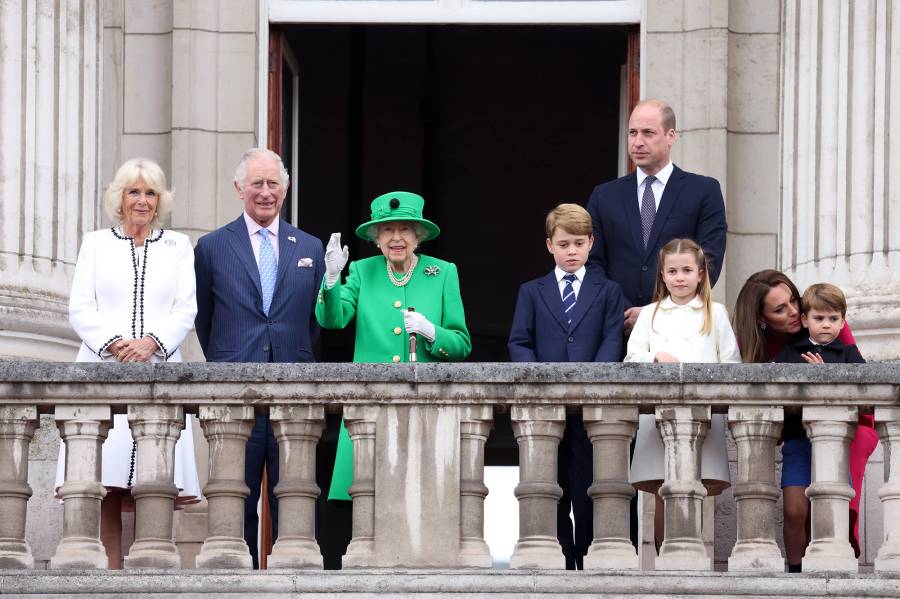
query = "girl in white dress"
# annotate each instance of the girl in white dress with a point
(133, 299)
(683, 324)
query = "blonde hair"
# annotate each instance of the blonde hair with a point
(824, 297)
(132, 171)
(571, 217)
(704, 290)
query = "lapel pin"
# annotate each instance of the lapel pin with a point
(292, 239)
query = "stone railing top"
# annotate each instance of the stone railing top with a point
(647, 385)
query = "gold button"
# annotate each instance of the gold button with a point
(397, 330)
(396, 359)
(398, 303)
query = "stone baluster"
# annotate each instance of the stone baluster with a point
(475, 425)
(298, 429)
(227, 428)
(830, 429)
(83, 429)
(888, 426)
(611, 429)
(683, 429)
(17, 425)
(538, 430)
(155, 429)
(361, 422)
(756, 431)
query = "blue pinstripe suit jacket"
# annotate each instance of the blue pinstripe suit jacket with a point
(230, 323)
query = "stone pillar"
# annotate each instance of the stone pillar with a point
(49, 112)
(611, 429)
(227, 428)
(298, 429)
(756, 432)
(683, 429)
(361, 422)
(475, 426)
(83, 429)
(840, 210)
(17, 424)
(887, 422)
(155, 429)
(538, 430)
(830, 429)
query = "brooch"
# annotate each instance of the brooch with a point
(431, 271)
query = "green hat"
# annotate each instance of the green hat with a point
(398, 205)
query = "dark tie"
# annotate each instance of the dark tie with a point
(648, 208)
(568, 296)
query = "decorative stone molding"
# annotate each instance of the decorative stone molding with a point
(361, 422)
(475, 426)
(17, 426)
(887, 422)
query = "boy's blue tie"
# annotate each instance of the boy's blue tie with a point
(568, 296)
(268, 268)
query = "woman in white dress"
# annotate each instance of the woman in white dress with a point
(134, 300)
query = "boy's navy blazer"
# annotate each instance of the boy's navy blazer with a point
(230, 323)
(691, 206)
(540, 332)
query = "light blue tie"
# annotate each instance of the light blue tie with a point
(268, 268)
(568, 296)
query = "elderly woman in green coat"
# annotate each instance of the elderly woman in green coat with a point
(382, 290)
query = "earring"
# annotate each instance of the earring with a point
(762, 326)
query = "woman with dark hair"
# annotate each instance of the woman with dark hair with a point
(767, 318)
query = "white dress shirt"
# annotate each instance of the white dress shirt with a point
(658, 187)
(675, 329)
(253, 228)
(576, 284)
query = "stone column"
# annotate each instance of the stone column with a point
(887, 422)
(298, 429)
(361, 422)
(227, 428)
(17, 424)
(474, 427)
(155, 430)
(683, 429)
(83, 429)
(756, 432)
(538, 430)
(830, 429)
(840, 209)
(611, 429)
(49, 131)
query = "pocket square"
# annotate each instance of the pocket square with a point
(305, 263)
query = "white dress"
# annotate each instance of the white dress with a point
(120, 291)
(676, 329)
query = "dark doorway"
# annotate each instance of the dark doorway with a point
(493, 125)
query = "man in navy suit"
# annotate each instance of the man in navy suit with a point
(257, 283)
(636, 215)
(572, 314)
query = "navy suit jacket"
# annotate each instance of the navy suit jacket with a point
(540, 332)
(231, 325)
(691, 206)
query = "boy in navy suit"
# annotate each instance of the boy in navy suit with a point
(572, 314)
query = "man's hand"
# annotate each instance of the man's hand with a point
(335, 260)
(812, 357)
(416, 323)
(631, 316)
(137, 350)
(665, 358)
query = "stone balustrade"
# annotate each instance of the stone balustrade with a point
(419, 432)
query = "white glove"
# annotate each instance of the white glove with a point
(335, 260)
(416, 323)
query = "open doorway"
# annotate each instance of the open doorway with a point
(493, 125)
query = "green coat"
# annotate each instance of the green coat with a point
(378, 306)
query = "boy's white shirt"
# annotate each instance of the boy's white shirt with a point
(676, 330)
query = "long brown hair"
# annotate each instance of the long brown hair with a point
(704, 290)
(748, 323)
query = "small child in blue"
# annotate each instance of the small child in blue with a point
(572, 314)
(823, 309)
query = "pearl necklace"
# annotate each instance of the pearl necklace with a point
(409, 273)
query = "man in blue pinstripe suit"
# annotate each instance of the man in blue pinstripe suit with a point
(257, 282)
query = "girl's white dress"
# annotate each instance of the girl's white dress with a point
(676, 330)
(120, 291)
